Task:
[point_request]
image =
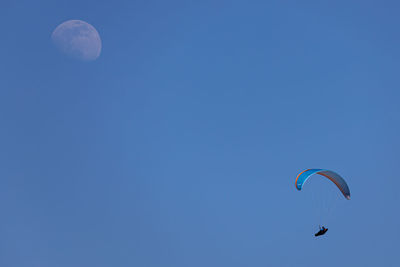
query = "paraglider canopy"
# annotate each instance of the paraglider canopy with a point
(334, 177)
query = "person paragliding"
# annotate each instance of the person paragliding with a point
(322, 231)
(334, 177)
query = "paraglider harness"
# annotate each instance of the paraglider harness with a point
(322, 231)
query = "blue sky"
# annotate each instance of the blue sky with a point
(179, 146)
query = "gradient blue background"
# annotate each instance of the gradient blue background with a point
(179, 146)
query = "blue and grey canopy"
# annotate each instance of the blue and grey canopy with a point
(334, 177)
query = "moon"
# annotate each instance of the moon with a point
(77, 39)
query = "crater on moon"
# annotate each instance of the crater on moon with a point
(77, 39)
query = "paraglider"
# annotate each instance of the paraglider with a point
(334, 177)
(322, 231)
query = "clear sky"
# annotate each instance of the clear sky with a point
(180, 144)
